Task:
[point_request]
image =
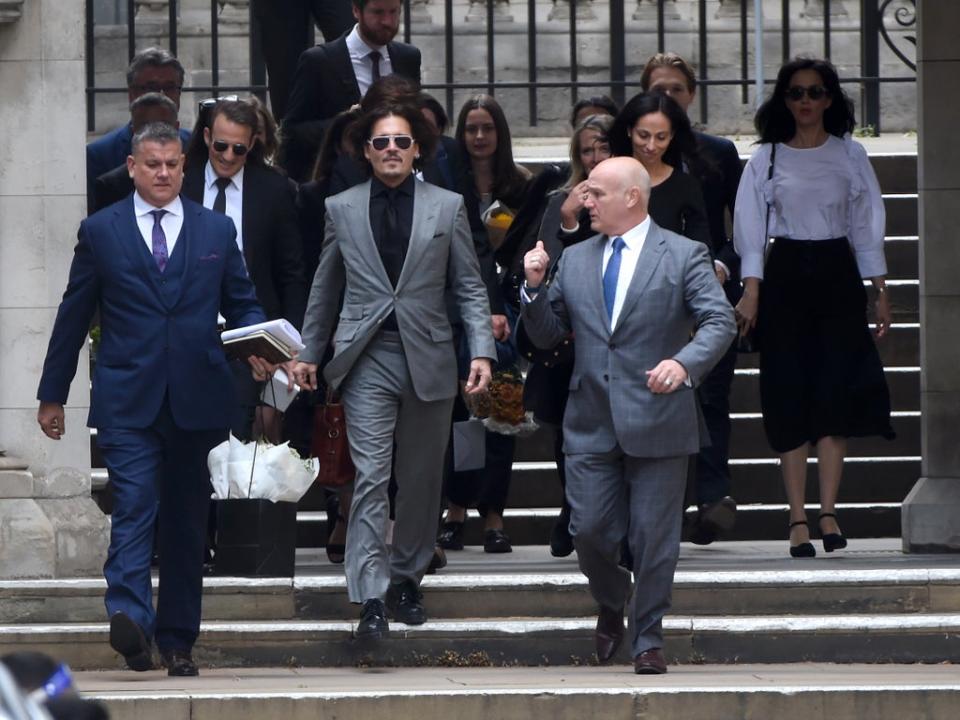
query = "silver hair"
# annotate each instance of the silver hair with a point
(153, 57)
(157, 132)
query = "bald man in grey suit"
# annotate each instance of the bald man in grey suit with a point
(631, 296)
(394, 247)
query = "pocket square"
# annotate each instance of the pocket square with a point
(210, 257)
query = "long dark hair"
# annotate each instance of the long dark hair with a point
(509, 180)
(774, 120)
(333, 141)
(683, 146)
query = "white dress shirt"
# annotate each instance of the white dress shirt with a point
(171, 222)
(234, 193)
(362, 64)
(633, 243)
(816, 193)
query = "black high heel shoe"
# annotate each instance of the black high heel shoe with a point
(803, 550)
(831, 541)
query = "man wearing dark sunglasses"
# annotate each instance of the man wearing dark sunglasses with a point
(395, 249)
(153, 70)
(236, 182)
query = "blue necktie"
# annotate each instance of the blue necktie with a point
(159, 239)
(610, 276)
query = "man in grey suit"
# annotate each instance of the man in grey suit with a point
(631, 296)
(394, 247)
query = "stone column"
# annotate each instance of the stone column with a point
(477, 12)
(931, 512)
(814, 9)
(235, 12)
(732, 8)
(42, 188)
(420, 13)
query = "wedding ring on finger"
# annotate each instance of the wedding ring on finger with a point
(668, 381)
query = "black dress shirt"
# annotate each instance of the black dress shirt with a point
(392, 235)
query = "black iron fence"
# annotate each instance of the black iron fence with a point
(882, 23)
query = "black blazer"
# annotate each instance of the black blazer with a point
(272, 248)
(111, 187)
(325, 85)
(719, 184)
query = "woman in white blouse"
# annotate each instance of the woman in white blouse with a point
(812, 188)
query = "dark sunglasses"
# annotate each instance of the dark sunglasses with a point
(211, 102)
(814, 92)
(382, 142)
(238, 148)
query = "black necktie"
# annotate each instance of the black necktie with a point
(220, 202)
(375, 59)
(391, 247)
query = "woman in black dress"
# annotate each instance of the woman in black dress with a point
(655, 130)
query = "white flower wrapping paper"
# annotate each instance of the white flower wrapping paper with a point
(259, 470)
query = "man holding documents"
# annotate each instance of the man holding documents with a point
(392, 246)
(158, 268)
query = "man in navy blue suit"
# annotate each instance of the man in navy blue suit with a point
(158, 268)
(151, 70)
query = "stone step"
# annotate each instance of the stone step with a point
(561, 593)
(901, 210)
(897, 173)
(919, 637)
(865, 480)
(785, 692)
(902, 254)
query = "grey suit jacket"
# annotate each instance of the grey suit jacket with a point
(440, 253)
(673, 291)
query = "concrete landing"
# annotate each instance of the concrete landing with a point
(847, 692)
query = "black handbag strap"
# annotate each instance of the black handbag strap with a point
(766, 227)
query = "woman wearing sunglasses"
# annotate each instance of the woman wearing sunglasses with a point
(812, 188)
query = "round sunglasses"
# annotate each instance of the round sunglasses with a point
(814, 92)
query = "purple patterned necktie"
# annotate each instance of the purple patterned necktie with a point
(159, 240)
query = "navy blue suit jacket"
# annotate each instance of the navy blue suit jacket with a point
(111, 150)
(151, 346)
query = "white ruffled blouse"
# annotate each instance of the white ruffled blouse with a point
(818, 193)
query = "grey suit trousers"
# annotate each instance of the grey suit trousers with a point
(613, 495)
(382, 411)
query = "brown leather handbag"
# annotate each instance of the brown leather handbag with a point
(329, 444)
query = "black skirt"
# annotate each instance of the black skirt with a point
(820, 372)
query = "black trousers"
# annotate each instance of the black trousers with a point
(712, 477)
(285, 34)
(820, 372)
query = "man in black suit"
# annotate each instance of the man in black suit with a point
(285, 33)
(259, 200)
(115, 185)
(332, 77)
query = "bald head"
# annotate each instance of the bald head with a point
(618, 191)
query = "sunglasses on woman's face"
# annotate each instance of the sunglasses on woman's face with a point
(238, 148)
(814, 92)
(382, 142)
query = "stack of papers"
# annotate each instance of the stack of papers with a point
(275, 341)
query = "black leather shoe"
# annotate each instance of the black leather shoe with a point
(650, 662)
(179, 663)
(127, 638)
(561, 544)
(712, 520)
(451, 536)
(403, 601)
(438, 561)
(832, 541)
(803, 550)
(496, 541)
(373, 621)
(609, 633)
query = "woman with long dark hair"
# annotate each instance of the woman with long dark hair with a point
(489, 175)
(655, 130)
(812, 188)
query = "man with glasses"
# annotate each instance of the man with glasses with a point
(153, 70)
(236, 182)
(394, 248)
(332, 77)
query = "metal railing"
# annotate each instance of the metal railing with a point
(877, 18)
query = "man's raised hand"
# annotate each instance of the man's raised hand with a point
(535, 265)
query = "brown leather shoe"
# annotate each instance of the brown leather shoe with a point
(650, 662)
(609, 633)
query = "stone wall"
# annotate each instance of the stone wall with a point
(727, 112)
